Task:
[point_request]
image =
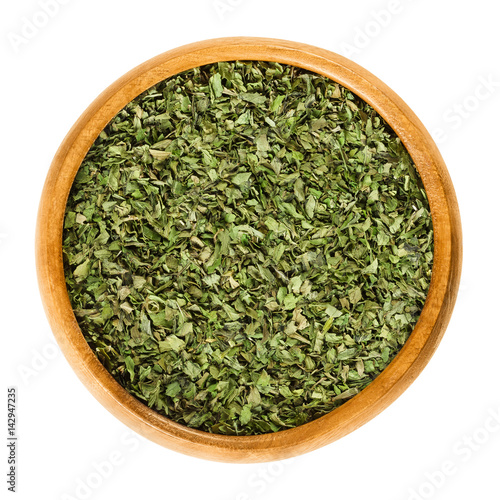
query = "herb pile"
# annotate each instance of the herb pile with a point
(247, 245)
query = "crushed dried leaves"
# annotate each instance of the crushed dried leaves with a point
(247, 245)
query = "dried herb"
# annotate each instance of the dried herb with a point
(247, 245)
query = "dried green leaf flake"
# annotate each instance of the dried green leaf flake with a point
(247, 245)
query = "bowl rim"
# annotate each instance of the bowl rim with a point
(380, 393)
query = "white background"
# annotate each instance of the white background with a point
(437, 55)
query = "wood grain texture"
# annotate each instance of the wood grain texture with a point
(401, 372)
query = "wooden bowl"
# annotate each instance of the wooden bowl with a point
(400, 373)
